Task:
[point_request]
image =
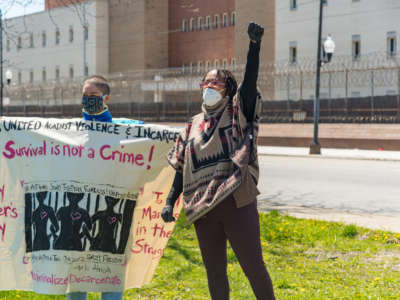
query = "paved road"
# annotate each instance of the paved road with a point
(356, 186)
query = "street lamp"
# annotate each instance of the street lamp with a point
(329, 47)
(8, 76)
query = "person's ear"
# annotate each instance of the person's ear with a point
(107, 98)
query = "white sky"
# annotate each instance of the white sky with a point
(15, 8)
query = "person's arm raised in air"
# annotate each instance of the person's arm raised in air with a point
(248, 90)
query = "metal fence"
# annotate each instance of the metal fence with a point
(365, 89)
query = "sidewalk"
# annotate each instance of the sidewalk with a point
(372, 221)
(330, 153)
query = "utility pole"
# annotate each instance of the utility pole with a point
(85, 34)
(1, 63)
(315, 147)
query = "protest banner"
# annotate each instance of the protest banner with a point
(80, 204)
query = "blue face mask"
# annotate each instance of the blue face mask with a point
(93, 104)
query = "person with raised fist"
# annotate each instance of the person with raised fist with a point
(215, 158)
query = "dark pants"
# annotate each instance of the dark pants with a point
(242, 228)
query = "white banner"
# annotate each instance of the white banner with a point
(80, 204)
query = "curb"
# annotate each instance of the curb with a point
(327, 156)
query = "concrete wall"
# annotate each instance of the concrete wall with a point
(126, 35)
(138, 35)
(156, 34)
(263, 13)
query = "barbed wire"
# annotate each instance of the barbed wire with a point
(276, 81)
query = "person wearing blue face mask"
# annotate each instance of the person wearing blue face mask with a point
(95, 95)
(217, 170)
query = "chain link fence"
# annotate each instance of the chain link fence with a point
(365, 89)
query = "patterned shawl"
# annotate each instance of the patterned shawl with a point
(215, 152)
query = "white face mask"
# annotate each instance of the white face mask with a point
(211, 96)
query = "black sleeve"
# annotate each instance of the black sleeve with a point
(176, 189)
(248, 90)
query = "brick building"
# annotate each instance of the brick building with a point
(202, 33)
(199, 34)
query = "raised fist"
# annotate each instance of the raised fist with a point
(255, 32)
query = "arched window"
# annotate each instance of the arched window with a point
(191, 25)
(183, 25)
(233, 18)
(199, 23)
(207, 25)
(216, 21)
(224, 20)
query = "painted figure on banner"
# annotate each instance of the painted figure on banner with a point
(71, 218)
(40, 218)
(108, 220)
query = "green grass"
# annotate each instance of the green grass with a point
(306, 259)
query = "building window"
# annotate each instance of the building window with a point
(224, 64)
(8, 45)
(207, 26)
(44, 39)
(199, 23)
(19, 43)
(19, 77)
(233, 64)
(293, 4)
(391, 43)
(292, 54)
(71, 72)
(208, 65)
(44, 75)
(31, 78)
(86, 33)
(224, 20)
(191, 25)
(57, 36)
(356, 46)
(86, 70)
(31, 44)
(233, 18)
(216, 64)
(58, 73)
(216, 20)
(355, 94)
(184, 26)
(71, 34)
(391, 92)
(199, 66)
